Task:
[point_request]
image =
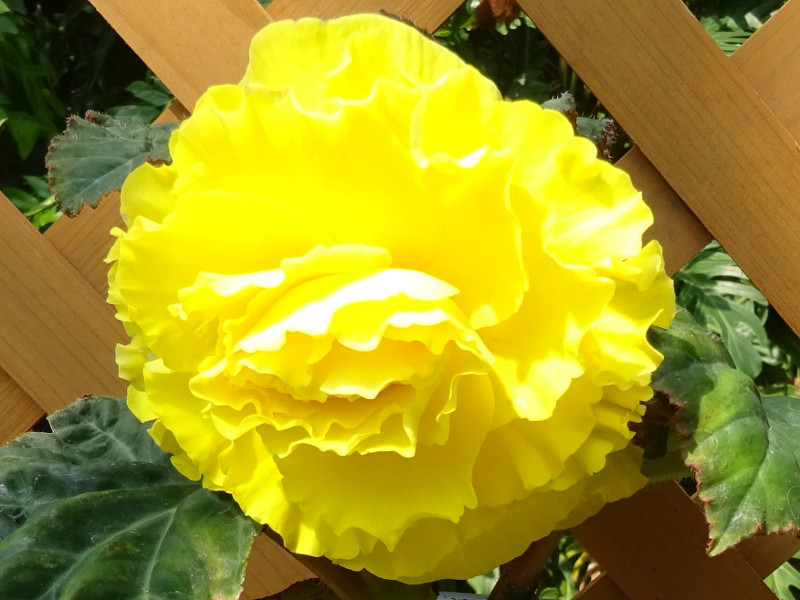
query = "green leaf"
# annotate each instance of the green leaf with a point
(38, 183)
(565, 104)
(483, 584)
(17, 6)
(95, 155)
(95, 511)
(720, 297)
(783, 579)
(150, 93)
(25, 130)
(742, 448)
(23, 200)
(136, 112)
(739, 328)
(45, 216)
(7, 25)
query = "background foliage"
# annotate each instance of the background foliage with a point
(59, 58)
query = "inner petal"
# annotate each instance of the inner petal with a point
(355, 361)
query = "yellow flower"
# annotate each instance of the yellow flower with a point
(401, 320)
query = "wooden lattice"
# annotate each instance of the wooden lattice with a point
(716, 153)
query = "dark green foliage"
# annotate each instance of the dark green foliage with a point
(732, 22)
(721, 297)
(95, 511)
(516, 56)
(57, 58)
(565, 570)
(524, 66)
(152, 98)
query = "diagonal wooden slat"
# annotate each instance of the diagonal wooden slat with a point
(57, 342)
(271, 569)
(602, 588)
(771, 61)
(622, 537)
(722, 150)
(85, 241)
(19, 411)
(604, 527)
(425, 15)
(189, 45)
(648, 560)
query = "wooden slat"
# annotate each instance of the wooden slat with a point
(771, 61)
(269, 568)
(18, 412)
(57, 335)
(84, 240)
(602, 588)
(763, 553)
(425, 15)
(753, 59)
(190, 45)
(700, 123)
(767, 553)
(661, 551)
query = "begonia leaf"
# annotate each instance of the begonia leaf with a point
(742, 447)
(95, 155)
(95, 510)
(785, 580)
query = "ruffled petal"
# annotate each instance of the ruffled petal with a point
(401, 321)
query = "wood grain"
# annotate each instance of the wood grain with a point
(58, 342)
(698, 120)
(764, 554)
(19, 412)
(425, 15)
(602, 588)
(84, 240)
(661, 550)
(189, 45)
(770, 60)
(269, 568)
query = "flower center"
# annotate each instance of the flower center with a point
(337, 350)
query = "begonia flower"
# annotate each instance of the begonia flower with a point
(401, 320)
